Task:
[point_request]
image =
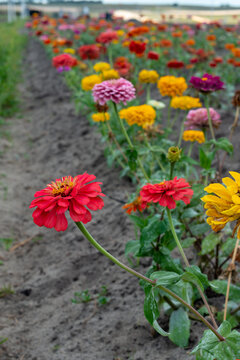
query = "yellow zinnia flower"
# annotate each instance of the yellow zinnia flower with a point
(88, 82)
(142, 115)
(110, 74)
(69, 51)
(224, 206)
(148, 76)
(100, 117)
(194, 135)
(185, 102)
(101, 66)
(172, 86)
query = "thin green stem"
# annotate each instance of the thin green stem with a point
(130, 142)
(181, 133)
(187, 264)
(142, 277)
(190, 149)
(209, 117)
(155, 156)
(148, 93)
(169, 113)
(172, 164)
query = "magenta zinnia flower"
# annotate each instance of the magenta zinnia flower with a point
(199, 118)
(206, 84)
(68, 193)
(115, 90)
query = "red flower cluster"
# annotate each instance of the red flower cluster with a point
(123, 66)
(68, 193)
(64, 61)
(137, 31)
(90, 52)
(167, 193)
(137, 47)
(107, 37)
(153, 55)
(175, 64)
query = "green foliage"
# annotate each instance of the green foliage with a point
(85, 297)
(179, 327)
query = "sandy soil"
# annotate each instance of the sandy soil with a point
(39, 320)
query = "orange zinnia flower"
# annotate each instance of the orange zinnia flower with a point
(211, 38)
(137, 204)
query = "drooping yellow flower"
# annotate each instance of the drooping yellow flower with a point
(148, 76)
(172, 86)
(88, 82)
(110, 74)
(100, 117)
(224, 206)
(185, 102)
(194, 135)
(69, 51)
(101, 66)
(142, 115)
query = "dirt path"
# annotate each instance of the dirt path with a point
(39, 320)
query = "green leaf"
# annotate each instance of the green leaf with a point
(206, 158)
(151, 311)
(139, 222)
(179, 327)
(165, 278)
(200, 229)
(209, 243)
(164, 258)
(132, 247)
(194, 269)
(190, 213)
(149, 234)
(132, 156)
(224, 144)
(193, 279)
(188, 242)
(220, 287)
(228, 246)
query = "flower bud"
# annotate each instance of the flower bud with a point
(174, 154)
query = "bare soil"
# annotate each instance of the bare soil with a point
(40, 321)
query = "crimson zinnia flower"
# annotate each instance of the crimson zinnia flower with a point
(137, 47)
(175, 64)
(153, 55)
(167, 193)
(68, 193)
(90, 52)
(207, 84)
(64, 62)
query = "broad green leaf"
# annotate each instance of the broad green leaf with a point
(149, 234)
(139, 222)
(151, 311)
(206, 158)
(179, 327)
(189, 213)
(220, 287)
(194, 269)
(165, 278)
(200, 229)
(193, 279)
(224, 144)
(188, 242)
(164, 258)
(132, 247)
(209, 243)
(228, 246)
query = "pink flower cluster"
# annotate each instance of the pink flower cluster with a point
(199, 118)
(115, 90)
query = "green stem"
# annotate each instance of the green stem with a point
(110, 55)
(190, 149)
(172, 164)
(169, 113)
(187, 264)
(181, 133)
(209, 117)
(155, 156)
(89, 237)
(148, 93)
(130, 142)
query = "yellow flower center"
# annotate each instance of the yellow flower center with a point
(204, 78)
(60, 187)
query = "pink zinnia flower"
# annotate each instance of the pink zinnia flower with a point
(115, 90)
(167, 193)
(199, 118)
(68, 193)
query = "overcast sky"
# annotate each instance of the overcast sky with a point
(180, 2)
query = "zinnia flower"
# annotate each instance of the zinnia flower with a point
(175, 64)
(156, 104)
(135, 205)
(100, 117)
(207, 84)
(90, 52)
(167, 193)
(148, 76)
(110, 74)
(88, 82)
(185, 102)
(224, 206)
(107, 37)
(101, 66)
(68, 193)
(122, 65)
(194, 135)
(137, 47)
(142, 115)
(172, 86)
(115, 90)
(199, 118)
(64, 62)
(153, 55)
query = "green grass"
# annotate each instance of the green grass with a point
(12, 43)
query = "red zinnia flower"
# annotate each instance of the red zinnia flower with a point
(64, 61)
(167, 193)
(107, 37)
(122, 65)
(68, 193)
(137, 47)
(175, 64)
(90, 52)
(153, 55)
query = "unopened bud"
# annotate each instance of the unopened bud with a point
(174, 154)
